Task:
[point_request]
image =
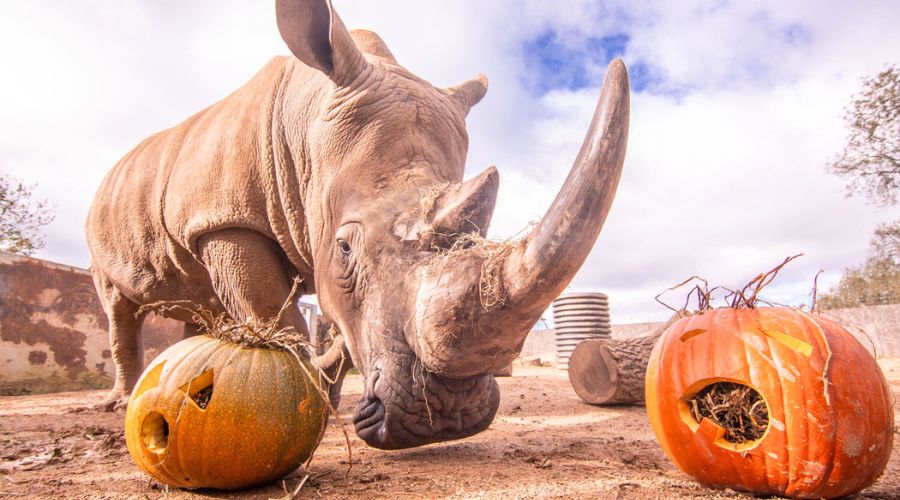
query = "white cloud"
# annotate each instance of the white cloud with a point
(724, 173)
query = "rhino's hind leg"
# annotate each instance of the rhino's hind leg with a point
(124, 340)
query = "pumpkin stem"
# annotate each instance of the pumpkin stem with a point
(702, 292)
(815, 291)
(745, 298)
(748, 297)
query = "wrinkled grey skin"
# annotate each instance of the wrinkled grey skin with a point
(339, 166)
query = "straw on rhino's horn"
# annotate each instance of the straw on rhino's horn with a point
(530, 274)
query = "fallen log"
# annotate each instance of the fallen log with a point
(611, 371)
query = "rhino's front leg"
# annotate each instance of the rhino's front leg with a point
(335, 363)
(252, 279)
(250, 275)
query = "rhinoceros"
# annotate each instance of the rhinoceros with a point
(338, 165)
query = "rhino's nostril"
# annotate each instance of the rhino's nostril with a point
(366, 409)
(368, 418)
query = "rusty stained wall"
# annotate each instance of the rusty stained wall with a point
(53, 332)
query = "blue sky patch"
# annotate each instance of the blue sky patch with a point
(796, 34)
(552, 62)
(641, 76)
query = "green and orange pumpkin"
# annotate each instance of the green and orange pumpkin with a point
(213, 413)
(828, 419)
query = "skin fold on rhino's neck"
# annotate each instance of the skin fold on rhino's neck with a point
(298, 205)
(291, 181)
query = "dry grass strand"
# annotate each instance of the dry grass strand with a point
(492, 254)
(429, 197)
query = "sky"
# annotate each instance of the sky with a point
(736, 108)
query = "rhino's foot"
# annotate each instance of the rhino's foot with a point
(116, 400)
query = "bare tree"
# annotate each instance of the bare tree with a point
(871, 158)
(886, 241)
(21, 218)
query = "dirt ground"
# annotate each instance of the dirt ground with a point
(544, 443)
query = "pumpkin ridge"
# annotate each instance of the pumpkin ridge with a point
(824, 339)
(211, 449)
(773, 356)
(737, 316)
(763, 451)
(834, 425)
(789, 421)
(195, 359)
(274, 382)
(251, 373)
(184, 355)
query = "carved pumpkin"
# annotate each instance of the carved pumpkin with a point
(211, 413)
(817, 398)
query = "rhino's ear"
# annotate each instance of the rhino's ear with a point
(470, 92)
(464, 208)
(317, 36)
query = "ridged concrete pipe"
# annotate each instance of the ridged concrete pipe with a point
(578, 317)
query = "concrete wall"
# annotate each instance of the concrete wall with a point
(53, 332)
(876, 327)
(539, 342)
(634, 330)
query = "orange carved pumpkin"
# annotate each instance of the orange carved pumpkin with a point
(826, 427)
(211, 413)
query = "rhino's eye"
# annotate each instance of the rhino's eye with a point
(343, 247)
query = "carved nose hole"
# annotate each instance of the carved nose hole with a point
(155, 433)
(200, 389)
(738, 411)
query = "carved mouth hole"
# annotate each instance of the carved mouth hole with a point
(155, 433)
(200, 389)
(737, 408)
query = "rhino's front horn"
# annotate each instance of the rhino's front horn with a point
(473, 315)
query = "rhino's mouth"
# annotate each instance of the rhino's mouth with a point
(403, 413)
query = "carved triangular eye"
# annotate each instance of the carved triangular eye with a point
(150, 380)
(200, 389)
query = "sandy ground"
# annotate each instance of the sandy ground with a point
(544, 443)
